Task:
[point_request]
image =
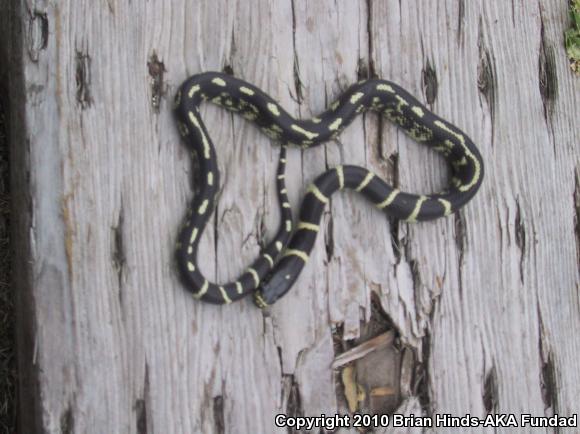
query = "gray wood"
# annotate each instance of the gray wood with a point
(488, 299)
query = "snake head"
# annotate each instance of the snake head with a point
(274, 286)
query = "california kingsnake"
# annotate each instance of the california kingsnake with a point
(281, 261)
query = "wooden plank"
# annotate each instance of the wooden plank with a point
(487, 299)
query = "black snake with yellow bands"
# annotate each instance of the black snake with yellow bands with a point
(281, 261)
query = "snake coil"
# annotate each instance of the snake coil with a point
(281, 261)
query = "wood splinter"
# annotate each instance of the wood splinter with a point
(381, 341)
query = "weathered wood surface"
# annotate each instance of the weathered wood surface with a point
(488, 299)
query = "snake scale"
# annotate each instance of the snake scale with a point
(281, 261)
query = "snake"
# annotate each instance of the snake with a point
(281, 261)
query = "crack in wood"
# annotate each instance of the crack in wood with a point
(228, 69)
(218, 414)
(548, 77)
(261, 226)
(381, 142)
(118, 252)
(460, 21)
(371, 68)
(297, 83)
(520, 235)
(429, 82)
(397, 243)
(486, 76)
(279, 352)
(394, 223)
(293, 401)
(499, 226)
(140, 406)
(548, 382)
(329, 238)
(362, 70)
(379, 317)
(421, 374)
(416, 280)
(83, 79)
(206, 402)
(340, 345)
(421, 388)
(216, 237)
(67, 421)
(111, 7)
(253, 233)
(38, 31)
(576, 206)
(460, 243)
(156, 69)
(296, 67)
(490, 391)
(460, 237)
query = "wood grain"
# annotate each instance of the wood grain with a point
(488, 299)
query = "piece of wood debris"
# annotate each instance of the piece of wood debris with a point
(378, 342)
